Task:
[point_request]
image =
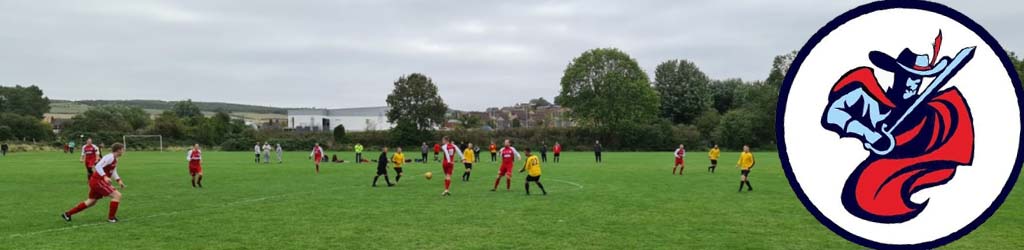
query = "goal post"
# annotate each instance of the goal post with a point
(124, 139)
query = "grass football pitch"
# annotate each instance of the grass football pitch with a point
(631, 201)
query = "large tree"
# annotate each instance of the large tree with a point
(723, 94)
(1018, 64)
(780, 67)
(339, 133)
(683, 89)
(539, 102)
(115, 119)
(415, 100)
(606, 88)
(27, 101)
(168, 124)
(186, 109)
(17, 127)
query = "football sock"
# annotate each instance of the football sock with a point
(749, 187)
(113, 209)
(193, 182)
(468, 174)
(399, 177)
(388, 180)
(508, 183)
(375, 180)
(200, 181)
(527, 186)
(496, 182)
(741, 185)
(542, 188)
(447, 184)
(78, 208)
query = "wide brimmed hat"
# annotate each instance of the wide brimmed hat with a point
(910, 62)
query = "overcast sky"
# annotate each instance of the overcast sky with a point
(348, 53)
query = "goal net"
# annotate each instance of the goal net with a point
(143, 142)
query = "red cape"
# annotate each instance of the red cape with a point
(936, 139)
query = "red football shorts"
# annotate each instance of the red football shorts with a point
(679, 161)
(99, 188)
(448, 168)
(90, 164)
(318, 158)
(505, 170)
(194, 168)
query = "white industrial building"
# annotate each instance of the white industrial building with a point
(354, 119)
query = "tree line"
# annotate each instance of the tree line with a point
(609, 97)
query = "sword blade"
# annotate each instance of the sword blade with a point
(951, 69)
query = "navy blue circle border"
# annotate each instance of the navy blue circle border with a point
(843, 19)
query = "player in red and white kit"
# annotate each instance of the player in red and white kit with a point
(99, 185)
(90, 155)
(509, 155)
(317, 155)
(448, 162)
(680, 153)
(195, 169)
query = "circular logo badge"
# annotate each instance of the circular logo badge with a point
(899, 125)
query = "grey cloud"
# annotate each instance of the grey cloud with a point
(347, 53)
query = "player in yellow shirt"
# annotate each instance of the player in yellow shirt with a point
(745, 163)
(468, 158)
(713, 155)
(533, 166)
(398, 159)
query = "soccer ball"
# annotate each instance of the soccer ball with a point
(429, 175)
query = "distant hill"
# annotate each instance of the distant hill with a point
(60, 106)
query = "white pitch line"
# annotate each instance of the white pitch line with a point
(157, 215)
(569, 182)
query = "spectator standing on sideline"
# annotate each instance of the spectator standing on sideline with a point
(597, 151)
(423, 151)
(71, 147)
(544, 152)
(437, 150)
(279, 154)
(257, 149)
(494, 151)
(3, 149)
(476, 152)
(558, 151)
(266, 152)
(359, 152)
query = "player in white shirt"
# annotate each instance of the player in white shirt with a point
(448, 163)
(266, 152)
(257, 148)
(99, 185)
(279, 154)
(680, 154)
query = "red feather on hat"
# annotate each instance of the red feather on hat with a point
(936, 45)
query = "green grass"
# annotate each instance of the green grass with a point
(629, 202)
